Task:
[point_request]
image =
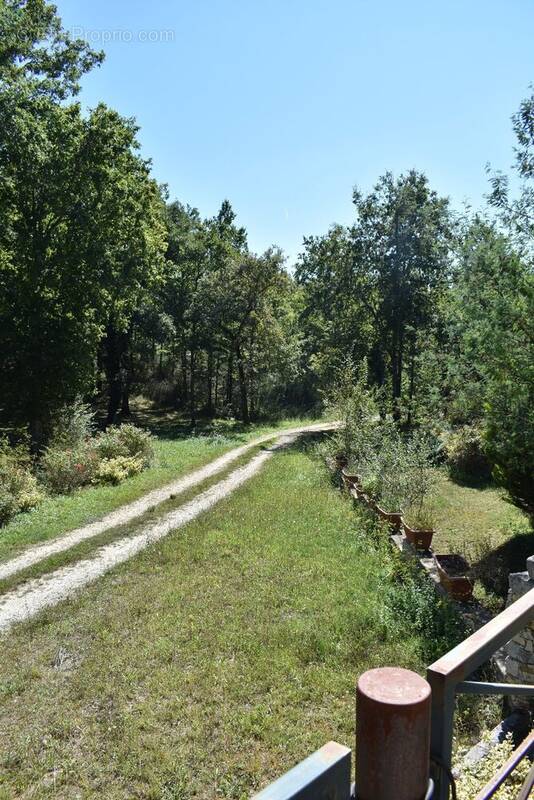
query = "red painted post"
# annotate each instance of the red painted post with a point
(392, 735)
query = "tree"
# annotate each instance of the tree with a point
(80, 227)
(35, 50)
(337, 314)
(402, 245)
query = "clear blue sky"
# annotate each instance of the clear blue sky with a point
(283, 105)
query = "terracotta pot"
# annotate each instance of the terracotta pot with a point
(362, 497)
(350, 478)
(393, 517)
(452, 569)
(421, 539)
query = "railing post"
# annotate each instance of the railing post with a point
(441, 736)
(392, 735)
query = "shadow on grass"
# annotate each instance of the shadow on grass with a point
(169, 424)
(473, 481)
(493, 567)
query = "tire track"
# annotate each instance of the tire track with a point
(27, 600)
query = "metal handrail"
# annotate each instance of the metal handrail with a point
(447, 677)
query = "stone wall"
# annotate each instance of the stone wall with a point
(519, 652)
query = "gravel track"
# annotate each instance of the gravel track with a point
(31, 597)
(35, 554)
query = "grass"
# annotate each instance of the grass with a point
(215, 660)
(482, 525)
(178, 451)
(88, 547)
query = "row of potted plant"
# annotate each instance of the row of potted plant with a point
(452, 568)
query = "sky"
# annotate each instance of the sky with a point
(283, 106)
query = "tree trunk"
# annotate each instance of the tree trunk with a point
(192, 398)
(216, 390)
(230, 380)
(35, 429)
(245, 416)
(412, 385)
(116, 352)
(209, 386)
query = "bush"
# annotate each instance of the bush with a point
(18, 485)
(115, 470)
(109, 457)
(509, 440)
(127, 441)
(466, 459)
(63, 470)
(474, 777)
(354, 405)
(72, 425)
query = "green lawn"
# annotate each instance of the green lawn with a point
(216, 659)
(178, 451)
(482, 525)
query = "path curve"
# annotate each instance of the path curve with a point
(39, 552)
(28, 599)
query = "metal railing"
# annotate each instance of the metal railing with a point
(449, 676)
(326, 773)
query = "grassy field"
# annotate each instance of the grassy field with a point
(178, 451)
(218, 658)
(482, 525)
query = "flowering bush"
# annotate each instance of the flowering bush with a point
(109, 457)
(475, 777)
(18, 486)
(63, 470)
(125, 441)
(115, 470)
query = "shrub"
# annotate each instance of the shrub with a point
(474, 777)
(509, 439)
(18, 485)
(466, 459)
(419, 478)
(115, 470)
(354, 405)
(63, 470)
(125, 441)
(72, 425)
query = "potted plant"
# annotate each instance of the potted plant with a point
(371, 485)
(341, 460)
(350, 478)
(418, 526)
(389, 499)
(452, 570)
(419, 486)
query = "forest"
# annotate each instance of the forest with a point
(110, 289)
(232, 483)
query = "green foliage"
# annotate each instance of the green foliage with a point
(64, 470)
(466, 458)
(352, 403)
(410, 597)
(72, 425)
(474, 777)
(18, 486)
(509, 440)
(34, 48)
(126, 441)
(115, 470)
(110, 457)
